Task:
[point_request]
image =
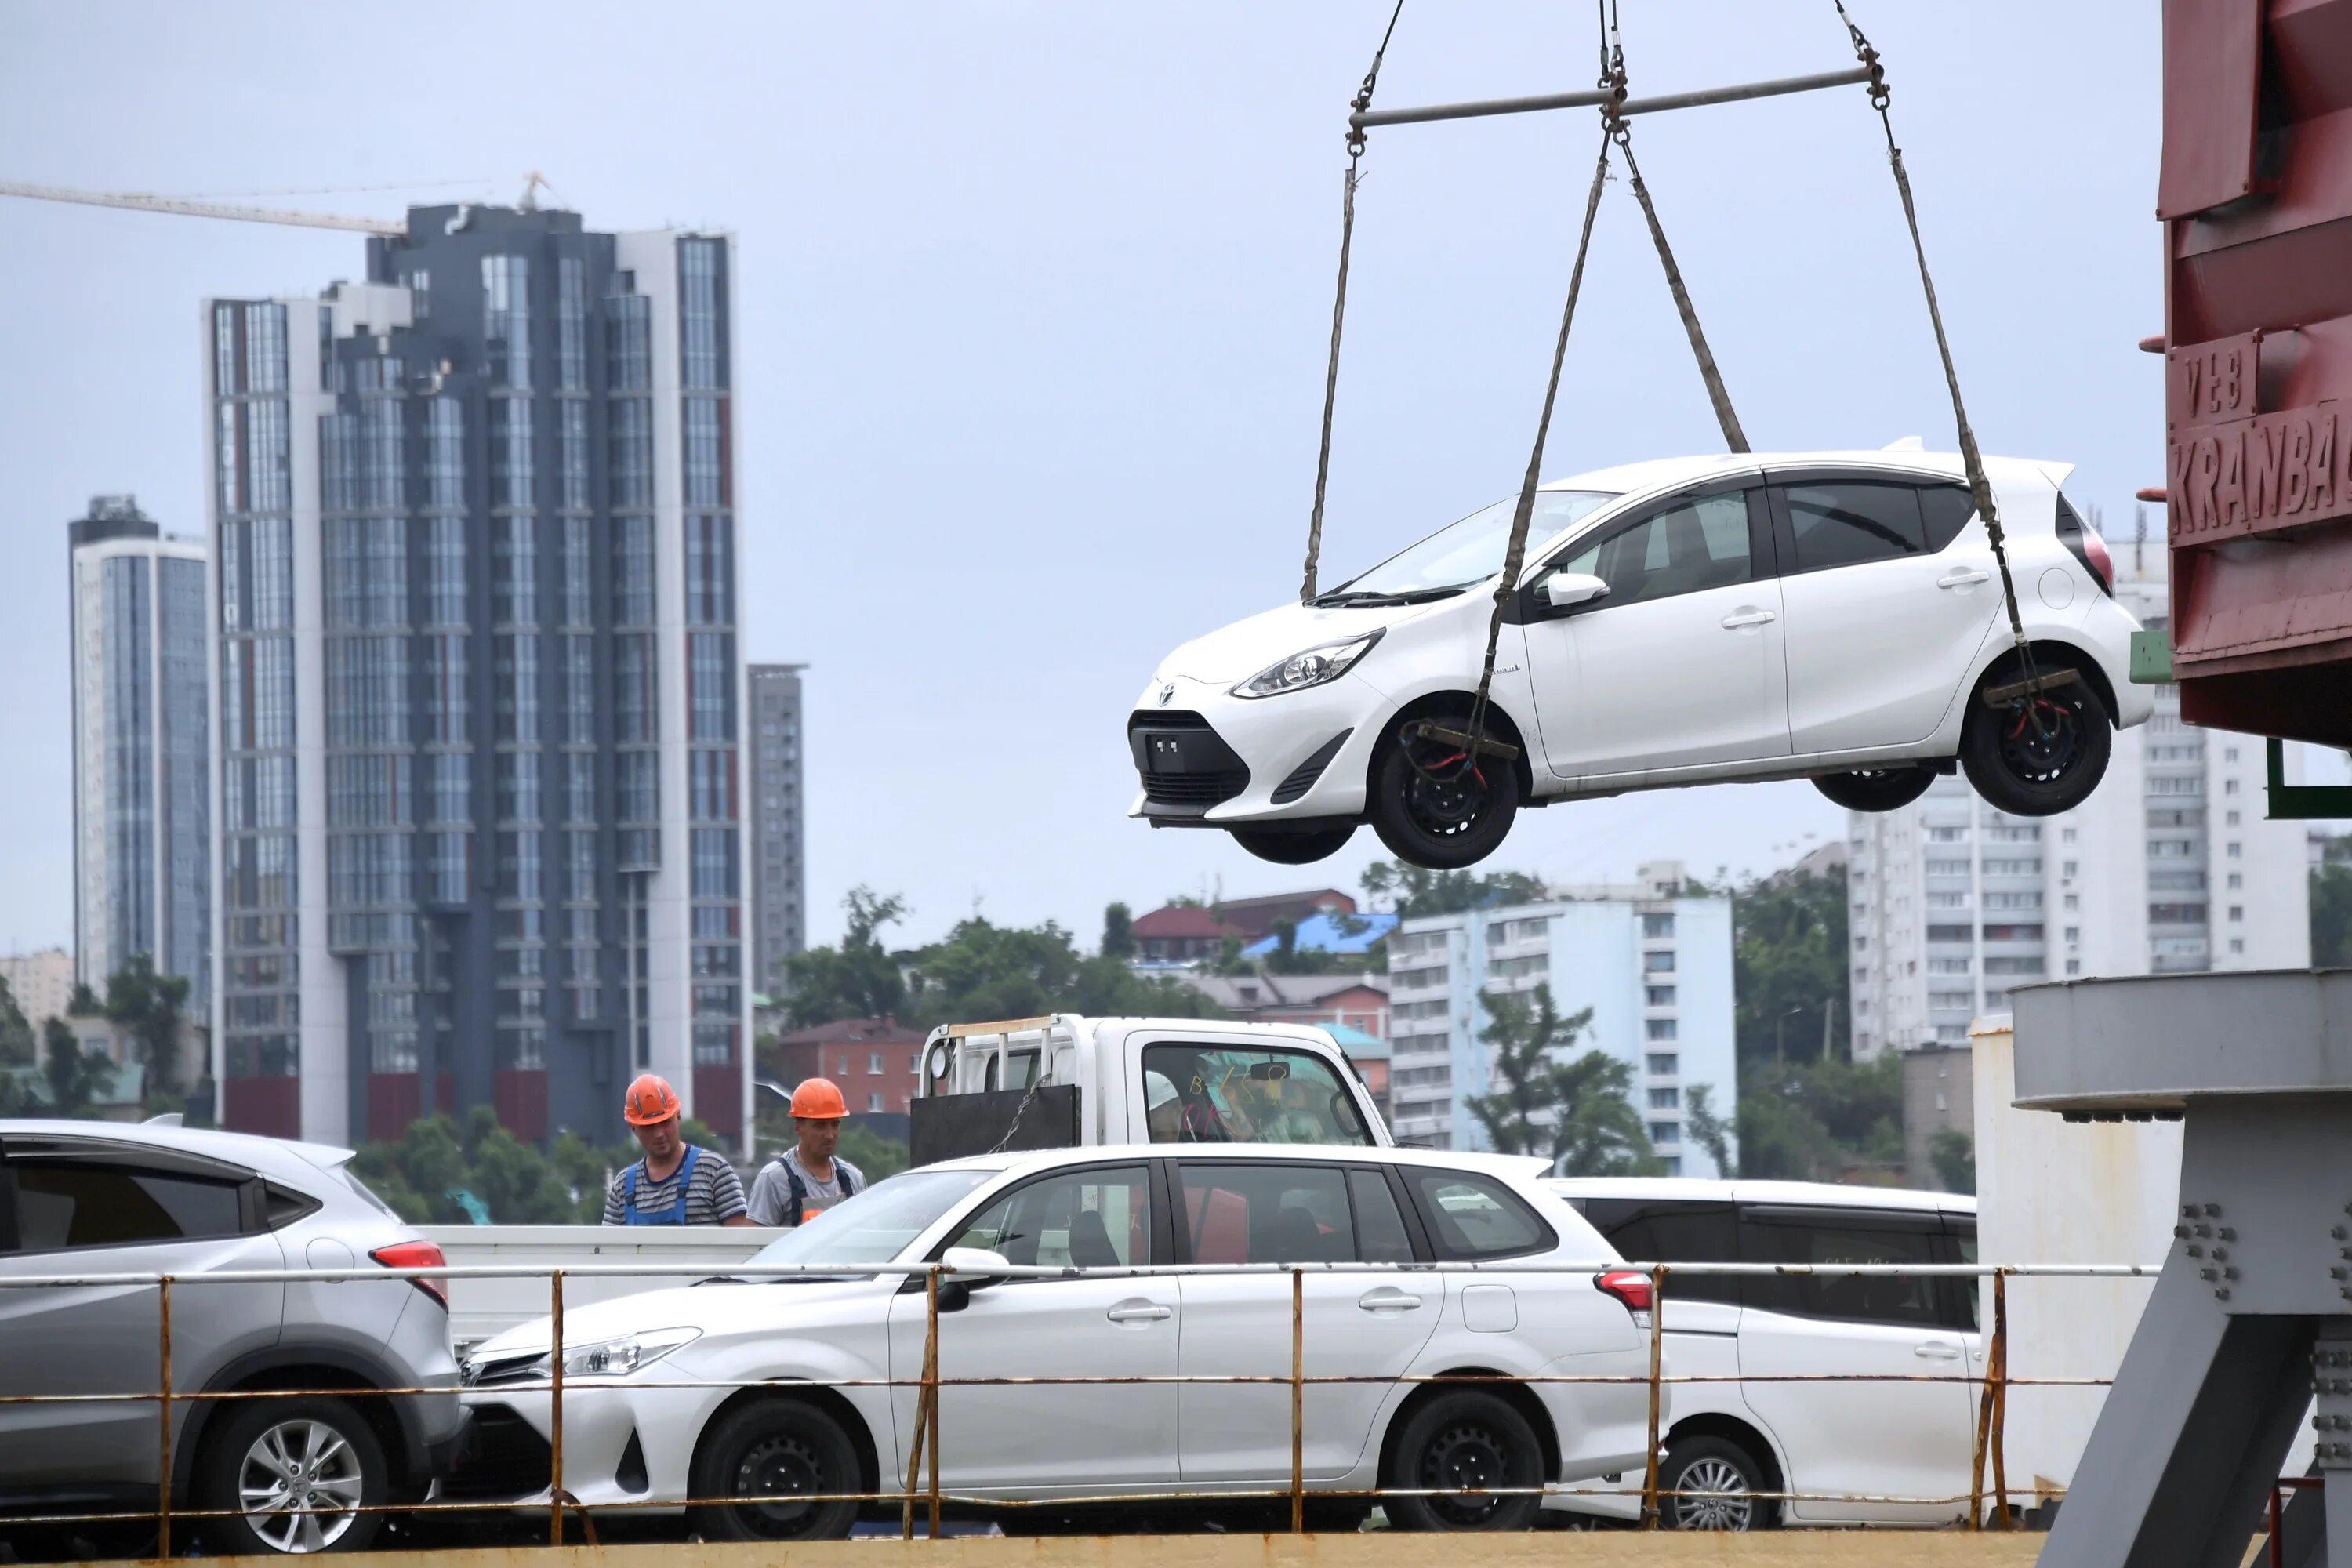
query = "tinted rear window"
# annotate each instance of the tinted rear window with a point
(1475, 1216)
(1850, 523)
(1947, 509)
(71, 1203)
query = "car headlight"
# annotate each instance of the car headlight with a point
(620, 1357)
(1312, 668)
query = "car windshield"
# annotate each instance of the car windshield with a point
(1469, 552)
(877, 1224)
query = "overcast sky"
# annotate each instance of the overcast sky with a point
(1032, 306)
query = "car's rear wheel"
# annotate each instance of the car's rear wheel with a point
(1875, 789)
(1455, 1451)
(1295, 846)
(787, 1454)
(284, 1477)
(1434, 809)
(1710, 1483)
(2040, 755)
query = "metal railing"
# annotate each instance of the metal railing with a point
(921, 1475)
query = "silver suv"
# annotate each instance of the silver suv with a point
(291, 1474)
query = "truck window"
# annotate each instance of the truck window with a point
(1238, 1094)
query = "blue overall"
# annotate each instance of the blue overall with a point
(674, 1214)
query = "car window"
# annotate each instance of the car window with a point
(1472, 550)
(1265, 1214)
(1475, 1216)
(1071, 1219)
(1962, 1230)
(1694, 545)
(71, 1203)
(1947, 509)
(1381, 1235)
(1771, 1236)
(1852, 523)
(1647, 1230)
(1231, 1094)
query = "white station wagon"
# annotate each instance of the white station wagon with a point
(1831, 616)
(761, 1389)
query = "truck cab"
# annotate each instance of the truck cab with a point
(1065, 1081)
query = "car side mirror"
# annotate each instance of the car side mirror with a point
(1566, 590)
(975, 1267)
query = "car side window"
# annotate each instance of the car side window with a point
(66, 1203)
(1072, 1219)
(1860, 1236)
(1381, 1235)
(1265, 1214)
(1960, 1230)
(1472, 1216)
(1852, 523)
(1691, 545)
(1647, 1230)
(1945, 509)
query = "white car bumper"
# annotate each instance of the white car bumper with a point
(600, 1417)
(1209, 758)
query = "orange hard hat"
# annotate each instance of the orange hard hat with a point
(819, 1099)
(650, 1100)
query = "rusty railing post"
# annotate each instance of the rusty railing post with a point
(555, 1409)
(1657, 1367)
(1984, 1434)
(1297, 1402)
(932, 1376)
(163, 1403)
(2277, 1543)
(1999, 1394)
(923, 1392)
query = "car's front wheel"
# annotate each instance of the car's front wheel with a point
(1709, 1483)
(1453, 1454)
(1295, 846)
(1436, 809)
(1875, 789)
(789, 1462)
(2040, 754)
(292, 1476)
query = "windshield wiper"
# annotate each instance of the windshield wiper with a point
(1366, 598)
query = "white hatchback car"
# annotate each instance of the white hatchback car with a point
(764, 1389)
(1832, 615)
(1890, 1453)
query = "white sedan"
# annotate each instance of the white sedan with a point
(766, 1389)
(1831, 616)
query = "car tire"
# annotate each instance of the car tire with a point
(2029, 771)
(1466, 1438)
(779, 1448)
(1875, 789)
(1433, 822)
(1292, 848)
(1719, 1467)
(266, 1461)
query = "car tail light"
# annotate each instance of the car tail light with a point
(417, 1255)
(1628, 1286)
(2087, 547)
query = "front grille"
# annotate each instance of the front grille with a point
(1185, 765)
(1193, 789)
(488, 1372)
(504, 1456)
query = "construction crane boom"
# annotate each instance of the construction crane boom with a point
(137, 202)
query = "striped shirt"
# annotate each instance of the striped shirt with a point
(714, 1197)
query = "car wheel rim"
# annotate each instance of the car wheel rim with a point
(2043, 743)
(1714, 1495)
(1466, 1459)
(1446, 797)
(785, 1468)
(299, 1487)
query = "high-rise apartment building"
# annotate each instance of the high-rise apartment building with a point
(1653, 963)
(2171, 865)
(143, 803)
(779, 877)
(479, 687)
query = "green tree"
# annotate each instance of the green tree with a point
(1410, 890)
(1789, 968)
(1600, 1133)
(859, 979)
(150, 1006)
(1118, 933)
(15, 1034)
(1710, 1131)
(1954, 1155)
(872, 1153)
(1818, 1122)
(76, 1076)
(2331, 915)
(1578, 1110)
(986, 970)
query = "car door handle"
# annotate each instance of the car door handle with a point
(1745, 618)
(1139, 1312)
(1961, 577)
(1937, 1350)
(1388, 1300)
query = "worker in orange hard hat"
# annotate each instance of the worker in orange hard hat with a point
(676, 1182)
(808, 1178)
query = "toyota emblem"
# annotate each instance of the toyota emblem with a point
(1167, 694)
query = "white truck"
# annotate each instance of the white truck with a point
(1067, 1081)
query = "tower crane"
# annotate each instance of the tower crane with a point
(184, 207)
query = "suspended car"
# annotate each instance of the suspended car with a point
(1833, 615)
